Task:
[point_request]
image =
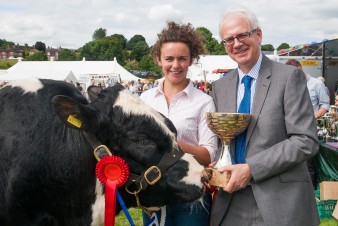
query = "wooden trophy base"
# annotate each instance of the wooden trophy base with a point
(216, 178)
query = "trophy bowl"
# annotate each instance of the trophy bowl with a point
(227, 126)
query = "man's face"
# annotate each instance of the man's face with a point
(245, 53)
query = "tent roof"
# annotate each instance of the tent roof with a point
(78, 68)
(56, 75)
(209, 63)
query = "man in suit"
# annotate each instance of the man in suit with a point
(270, 185)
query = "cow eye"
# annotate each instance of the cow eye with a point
(144, 142)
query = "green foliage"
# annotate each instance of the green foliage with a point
(104, 49)
(283, 46)
(212, 46)
(121, 39)
(5, 64)
(99, 33)
(140, 49)
(267, 47)
(147, 63)
(39, 56)
(5, 44)
(216, 48)
(207, 35)
(134, 40)
(329, 222)
(40, 46)
(136, 215)
(67, 55)
(132, 65)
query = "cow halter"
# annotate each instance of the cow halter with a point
(150, 177)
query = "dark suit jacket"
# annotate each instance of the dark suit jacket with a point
(281, 136)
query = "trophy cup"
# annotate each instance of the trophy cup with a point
(227, 126)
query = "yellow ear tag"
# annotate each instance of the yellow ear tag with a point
(72, 119)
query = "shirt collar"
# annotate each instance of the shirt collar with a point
(187, 90)
(254, 72)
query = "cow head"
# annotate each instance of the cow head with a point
(141, 136)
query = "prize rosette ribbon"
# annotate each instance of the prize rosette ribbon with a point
(113, 172)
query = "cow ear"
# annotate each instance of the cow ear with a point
(93, 92)
(71, 112)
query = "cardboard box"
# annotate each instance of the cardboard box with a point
(328, 190)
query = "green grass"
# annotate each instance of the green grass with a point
(329, 222)
(136, 215)
(5, 64)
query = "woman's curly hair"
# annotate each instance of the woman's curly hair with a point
(180, 33)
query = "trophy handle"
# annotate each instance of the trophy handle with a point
(225, 157)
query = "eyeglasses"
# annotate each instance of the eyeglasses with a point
(240, 37)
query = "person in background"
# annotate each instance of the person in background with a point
(320, 103)
(132, 87)
(319, 98)
(269, 183)
(147, 86)
(321, 78)
(177, 99)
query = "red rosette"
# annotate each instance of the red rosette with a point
(113, 168)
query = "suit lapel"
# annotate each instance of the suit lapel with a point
(262, 87)
(231, 92)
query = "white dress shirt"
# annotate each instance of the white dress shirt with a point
(187, 111)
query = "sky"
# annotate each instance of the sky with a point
(71, 23)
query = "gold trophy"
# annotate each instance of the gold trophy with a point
(227, 126)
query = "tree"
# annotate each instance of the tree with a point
(99, 33)
(147, 63)
(39, 56)
(67, 55)
(5, 44)
(139, 50)
(40, 46)
(121, 40)
(134, 40)
(283, 46)
(104, 49)
(212, 46)
(267, 47)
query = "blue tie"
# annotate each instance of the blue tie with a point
(244, 107)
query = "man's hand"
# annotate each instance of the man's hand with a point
(240, 177)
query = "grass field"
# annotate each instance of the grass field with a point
(331, 222)
(136, 215)
(5, 64)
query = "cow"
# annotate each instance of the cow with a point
(47, 165)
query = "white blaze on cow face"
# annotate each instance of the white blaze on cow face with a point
(28, 85)
(195, 171)
(133, 105)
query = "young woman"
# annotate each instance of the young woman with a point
(176, 98)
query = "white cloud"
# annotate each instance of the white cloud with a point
(166, 12)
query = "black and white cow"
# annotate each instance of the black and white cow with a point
(47, 167)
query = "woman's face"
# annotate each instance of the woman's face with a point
(174, 60)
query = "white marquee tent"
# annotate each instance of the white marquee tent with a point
(64, 75)
(80, 69)
(206, 64)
